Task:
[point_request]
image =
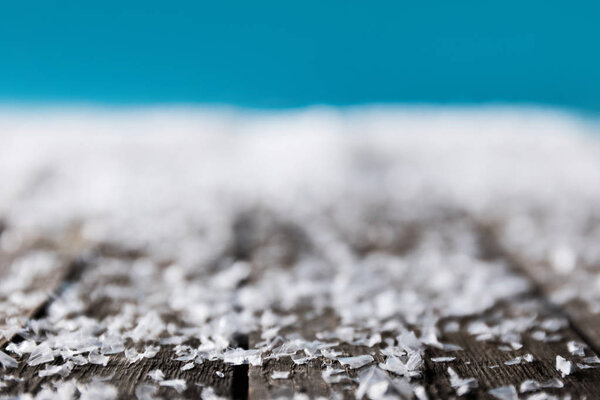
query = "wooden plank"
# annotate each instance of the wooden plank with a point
(31, 274)
(480, 359)
(89, 279)
(128, 377)
(584, 321)
(548, 282)
(485, 360)
(305, 378)
(269, 244)
(267, 241)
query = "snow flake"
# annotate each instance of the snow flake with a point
(461, 385)
(280, 375)
(178, 384)
(505, 393)
(7, 361)
(564, 366)
(356, 361)
(156, 375)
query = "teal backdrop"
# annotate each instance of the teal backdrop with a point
(277, 54)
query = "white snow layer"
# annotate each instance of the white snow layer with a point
(172, 183)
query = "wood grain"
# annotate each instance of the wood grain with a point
(42, 286)
(485, 361)
(127, 377)
(266, 242)
(546, 282)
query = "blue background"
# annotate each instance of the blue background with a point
(287, 54)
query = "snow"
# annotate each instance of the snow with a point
(504, 393)
(585, 366)
(442, 359)
(40, 355)
(543, 396)
(461, 385)
(241, 356)
(156, 375)
(95, 358)
(377, 385)
(178, 384)
(64, 370)
(187, 366)
(531, 385)
(564, 366)
(71, 389)
(318, 209)
(409, 365)
(356, 361)
(576, 348)
(280, 375)
(334, 375)
(145, 392)
(517, 360)
(7, 361)
(209, 394)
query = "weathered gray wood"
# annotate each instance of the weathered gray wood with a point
(484, 361)
(586, 322)
(545, 281)
(44, 285)
(266, 241)
(269, 243)
(127, 377)
(305, 378)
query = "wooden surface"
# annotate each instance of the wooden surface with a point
(254, 241)
(127, 377)
(42, 286)
(547, 281)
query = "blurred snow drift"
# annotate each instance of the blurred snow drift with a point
(106, 167)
